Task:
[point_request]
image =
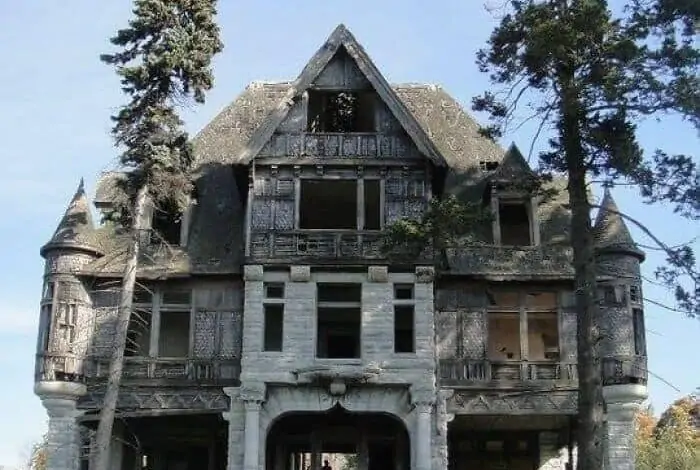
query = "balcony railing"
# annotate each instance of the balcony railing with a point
(70, 368)
(506, 373)
(316, 244)
(624, 370)
(339, 145)
(511, 260)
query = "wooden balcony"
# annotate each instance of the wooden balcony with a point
(139, 370)
(625, 370)
(337, 145)
(505, 374)
(316, 245)
(516, 261)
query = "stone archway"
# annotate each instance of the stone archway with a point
(367, 440)
(391, 402)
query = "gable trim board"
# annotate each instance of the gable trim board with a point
(341, 37)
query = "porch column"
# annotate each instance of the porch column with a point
(622, 403)
(443, 420)
(251, 454)
(60, 400)
(422, 435)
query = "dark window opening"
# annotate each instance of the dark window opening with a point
(274, 290)
(640, 343)
(514, 222)
(339, 333)
(403, 291)
(138, 337)
(166, 225)
(372, 205)
(174, 337)
(634, 294)
(339, 321)
(488, 166)
(404, 331)
(328, 204)
(177, 297)
(273, 327)
(341, 112)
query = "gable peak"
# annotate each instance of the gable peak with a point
(513, 166)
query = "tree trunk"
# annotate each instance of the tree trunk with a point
(590, 399)
(116, 365)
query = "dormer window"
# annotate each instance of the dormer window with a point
(168, 225)
(340, 111)
(514, 222)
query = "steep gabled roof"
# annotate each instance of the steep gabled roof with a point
(341, 38)
(610, 232)
(76, 229)
(513, 167)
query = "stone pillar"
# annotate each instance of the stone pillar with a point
(443, 418)
(236, 429)
(422, 435)
(252, 396)
(622, 403)
(60, 400)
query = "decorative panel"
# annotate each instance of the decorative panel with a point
(567, 333)
(204, 334)
(284, 214)
(446, 331)
(230, 332)
(474, 334)
(261, 214)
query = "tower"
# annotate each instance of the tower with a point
(622, 346)
(64, 328)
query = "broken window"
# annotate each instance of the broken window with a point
(514, 222)
(166, 224)
(273, 327)
(339, 320)
(333, 205)
(404, 331)
(542, 336)
(341, 111)
(66, 324)
(174, 332)
(504, 336)
(640, 342)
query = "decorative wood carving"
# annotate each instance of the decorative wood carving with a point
(525, 402)
(131, 399)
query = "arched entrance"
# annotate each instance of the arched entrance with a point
(348, 440)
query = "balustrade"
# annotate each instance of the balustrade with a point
(495, 373)
(70, 368)
(341, 244)
(355, 145)
(624, 370)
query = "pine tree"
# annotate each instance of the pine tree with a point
(165, 61)
(590, 76)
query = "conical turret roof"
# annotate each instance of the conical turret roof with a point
(76, 229)
(610, 233)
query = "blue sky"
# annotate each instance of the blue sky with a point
(56, 98)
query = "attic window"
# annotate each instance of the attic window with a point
(166, 225)
(514, 223)
(333, 111)
(488, 166)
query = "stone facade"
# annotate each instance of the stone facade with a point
(266, 339)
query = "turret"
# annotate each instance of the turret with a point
(623, 345)
(65, 305)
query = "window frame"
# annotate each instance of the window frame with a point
(531, 204)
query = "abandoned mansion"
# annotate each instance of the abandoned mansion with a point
(273, 330)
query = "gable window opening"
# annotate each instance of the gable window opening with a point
(523, 329)
(404, 319)
(163, 317)
(514, 223)
(166, 225)
(333, 205)
(340, 111)
(339, 320)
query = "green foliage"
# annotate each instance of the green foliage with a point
(592, 77)
(164, 62)
(446, 222)
(673, 444)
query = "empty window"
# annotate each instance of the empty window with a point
(166, 225)
(640, 342)
(404, 331)
(328, 204)
(634, 294)
(504, 336)
(138, 337)
(341, 111)
(339, 320)
(514, 224)
(403, 291)
(273, 327)
(66, 324)
(274, 290)
(372, 205)
(48, 293)
(542, 336)
(174, 337)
